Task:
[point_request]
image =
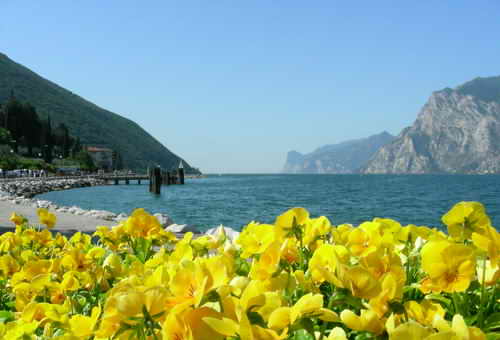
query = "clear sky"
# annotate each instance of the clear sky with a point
(232, 86)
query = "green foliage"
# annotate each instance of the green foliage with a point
(117, 161)
(10, 161)
(94, 125)
(5, 136)
(22, 127)
(85, 160)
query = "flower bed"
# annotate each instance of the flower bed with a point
(300, 278)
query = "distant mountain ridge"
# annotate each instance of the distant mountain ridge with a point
(457, 131)
(345, 157)
(94, 125)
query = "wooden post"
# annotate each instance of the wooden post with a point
(157, 181)
(139, 181)
(181, 176)
(150, 173)
(127, 181)
(116, 181)
(180, 173)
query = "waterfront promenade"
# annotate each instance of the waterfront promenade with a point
(16, 198)
(66, 223)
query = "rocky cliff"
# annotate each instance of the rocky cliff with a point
(457, 131)
(346, 157)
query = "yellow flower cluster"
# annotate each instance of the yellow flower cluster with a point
(299, 278)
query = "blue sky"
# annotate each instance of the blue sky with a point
(232, 86)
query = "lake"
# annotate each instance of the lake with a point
(235, 200)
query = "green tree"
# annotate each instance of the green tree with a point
(13, 120)
(77, 146)
(85, 160)
(63, 139)
(117, 161)
(5, 136)
(31, 128)
(47, 141)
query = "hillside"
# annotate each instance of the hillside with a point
(94, 125)
(345, 157)
(457, 131)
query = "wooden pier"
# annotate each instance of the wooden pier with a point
(156, 176)
(117, 179)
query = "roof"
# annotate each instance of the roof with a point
(96, 149)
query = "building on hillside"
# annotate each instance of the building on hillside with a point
(102, 157)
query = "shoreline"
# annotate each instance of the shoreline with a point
(19, 196)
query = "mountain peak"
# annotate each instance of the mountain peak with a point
(457, 130)
(344, 157)
(486, 89)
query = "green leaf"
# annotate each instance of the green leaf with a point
(492, 323)
(6, 316)
(302, 334)
(493, 336)
(397, 307)
(439, 298)
(308, 325)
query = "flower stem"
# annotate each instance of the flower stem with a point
(330, 304)
(483, 295)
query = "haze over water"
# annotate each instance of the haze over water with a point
(235, 200)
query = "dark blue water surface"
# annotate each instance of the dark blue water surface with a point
(235, 200)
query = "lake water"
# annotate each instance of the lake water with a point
(235, 200)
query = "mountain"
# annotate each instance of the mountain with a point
(345, 157)
(94, 125)
(457, 131)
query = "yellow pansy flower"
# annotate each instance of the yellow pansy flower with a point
(309, 305)
(17, 219)
(424, 312)
(267, 264)
(46, 218)
(324, 264)
(112, 263)
(391, 290)
(188, 284)
(365, 239)
(458, 329)
(410, 330)
(361, 282)
(8, 265)
(465, 218)
(284, 223)
(129, 302)
(83, 326)
(337, 333)
(142, 224)
(315, 228)
(450, 267)
(367, 321)
(256, 238)
(20, 330)
(489, 243)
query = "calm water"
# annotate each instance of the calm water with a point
(235, 200)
